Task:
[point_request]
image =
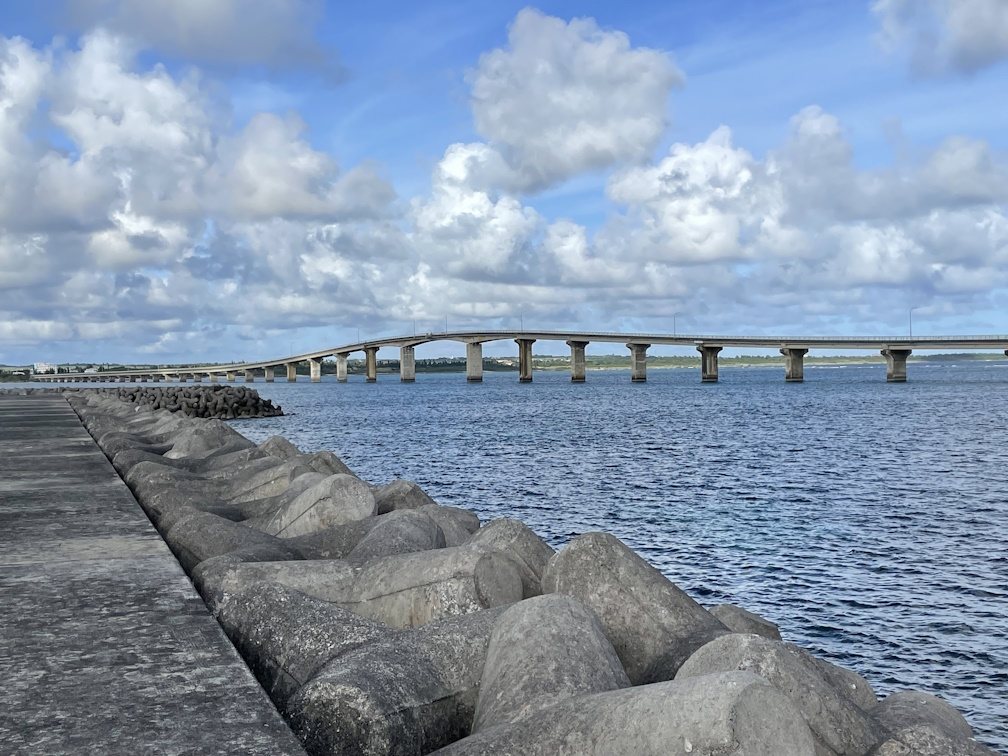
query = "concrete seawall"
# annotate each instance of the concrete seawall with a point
(105, 646)
(379, 622)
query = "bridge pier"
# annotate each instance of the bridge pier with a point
(638, 362)
(268, 373)
(577, 360)
(474, 362)
(197, 377)
(708, 363)
(794, 364)
(231, 375)
(143, 379)
(249, 376)
(371, 364)
(213, 377)
(896, 364)
(156, 379)
(341, 372)
(525, 360)
(407, 364)
(182, 377)
(291, 371)
(315, 369)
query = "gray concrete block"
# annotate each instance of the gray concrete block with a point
(652, 624)
(456, 523)
(401, 531)
(740, 620)
(286, 636)
(912, 708)
(404, 590)
(727, 714)
(201, 535)
(838, 725)
(410, 693)
(401, 494)
(543, 651)
(335, 500)
(528, 551)
(279, 447)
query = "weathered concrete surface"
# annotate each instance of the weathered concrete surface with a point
(838, 725)
(543, 651)
(728, 714)
(652, 624)
(105, 646)
(740, 620)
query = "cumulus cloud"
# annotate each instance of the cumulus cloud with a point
(567, 97)
(274, 33)
(942, 35)
(148, 209)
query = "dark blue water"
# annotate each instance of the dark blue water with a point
(869, 520)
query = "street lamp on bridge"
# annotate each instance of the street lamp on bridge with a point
(911, 319)
(673, 322)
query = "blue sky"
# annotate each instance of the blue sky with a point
(195, 180)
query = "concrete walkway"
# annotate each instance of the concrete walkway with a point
(105, 647)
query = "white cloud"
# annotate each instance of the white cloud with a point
(275, 33)
(568, 97)
(959, 35)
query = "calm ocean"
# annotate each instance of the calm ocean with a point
(869, 520)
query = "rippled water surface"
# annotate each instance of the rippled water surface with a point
(869, 520)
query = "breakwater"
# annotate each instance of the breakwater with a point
(382, 622)
(213, 402)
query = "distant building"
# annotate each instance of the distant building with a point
(44, 367)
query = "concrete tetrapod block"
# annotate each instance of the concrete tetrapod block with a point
(543, 651)
(399, 532)
(410, 693)
(651, 623)
(456, 523)
(838, 725)
(241, 511)
(279, 447)
(404, 590)
(205, 437)
(910, 708)
(928, 740)
(335, 500)
(269, 482)
(327, 463)
(334, 542)
(401, 494)
(529, 552)
(201, 535)
(727, 714)
(849, 682)
(286, 636)
(739, 620)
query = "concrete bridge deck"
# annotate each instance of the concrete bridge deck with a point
(794, 348)
(105, 647)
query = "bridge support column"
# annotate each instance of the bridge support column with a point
(155, 379)
(197, 377)
(577, 360)
(474, 362)
(895, 360)
(371, 364)
(143, 379)
(794, 364)
(638, 362)
(316, 370)
(249, 376)
(291, 372)
(341, 374)
(708, 362)
(407, 364)
(268, 373)
(231, 375)
(525, 360)
(182, 377)
(213, 377)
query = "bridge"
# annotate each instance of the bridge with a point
(895, 350)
